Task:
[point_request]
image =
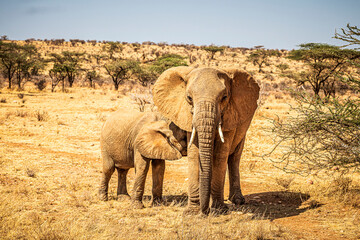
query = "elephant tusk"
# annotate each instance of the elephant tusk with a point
(192, 137)
(221, 134)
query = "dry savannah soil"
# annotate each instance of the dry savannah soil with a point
(50, 168)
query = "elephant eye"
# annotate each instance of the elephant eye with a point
(224, 98)
(189, 99)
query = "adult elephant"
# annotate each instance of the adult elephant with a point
(215, 107)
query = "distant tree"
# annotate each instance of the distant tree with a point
(98, 57)
(121, 70)
(111, 48)
(70, 62)
(260, 57)
(29, 63)
(282, 67)
(92, 75)
(259, 46)
(146, 75)
(167, 61)
(212, 49)
(57, 75)
(8, 57)
(92, 70)
(20, 61)
(326, 64)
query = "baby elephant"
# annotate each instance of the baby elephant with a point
(134, 139)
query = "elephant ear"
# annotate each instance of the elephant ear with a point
(155, 141)
(243, 101)
(169, 96)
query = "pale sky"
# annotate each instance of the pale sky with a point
(277, 24)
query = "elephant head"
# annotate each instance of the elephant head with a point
(156, 141)
(206, 102)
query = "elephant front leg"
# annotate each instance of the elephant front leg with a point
(193, 179)
(235, 195)
(158, 171)
(141, 169)
(217, 184)
(221, 154)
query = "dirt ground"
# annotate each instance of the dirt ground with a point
(50, 167)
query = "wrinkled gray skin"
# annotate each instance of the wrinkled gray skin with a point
(203, 101)
(134, 139)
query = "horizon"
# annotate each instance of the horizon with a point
(277, 24)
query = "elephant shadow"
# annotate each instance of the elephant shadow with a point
(275, 205)
(266, 205)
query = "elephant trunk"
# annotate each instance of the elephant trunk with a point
(205, 119)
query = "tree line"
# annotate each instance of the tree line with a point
(22, 63)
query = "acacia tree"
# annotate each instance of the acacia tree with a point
(57, 75)
(146, 75)
(319, 136)
(167, 61)
(28, 65)
(260, 57)
(91, 76)
(121, 70)
(92, 71)
(70, 62)
(350, 34)
(112, 48)
(8, 57)
(326, 65)
(212, 49)
(20, 61)
(322, 135)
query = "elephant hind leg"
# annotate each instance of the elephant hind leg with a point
(122, 188)
(108, 170)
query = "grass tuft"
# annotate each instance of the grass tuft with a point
(41, 115)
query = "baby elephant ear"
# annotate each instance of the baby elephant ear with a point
(155, 141)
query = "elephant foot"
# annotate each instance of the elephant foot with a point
(191, 210)
(156, 201)
(237, 199)
(123, 197)
(219, 208)
(136, 204)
